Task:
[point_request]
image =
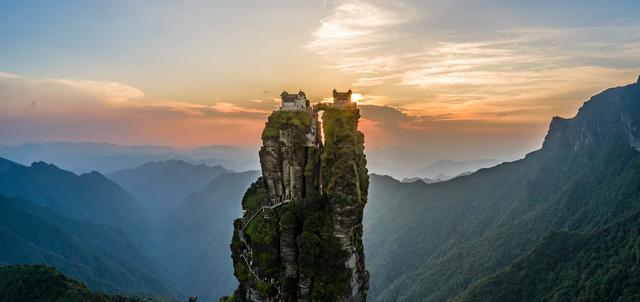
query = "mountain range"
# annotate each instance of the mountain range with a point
(560, 224)
(88, 197)
(446, 169)
(84, 157)
(92, 229)
(557, 225)
(162, 185)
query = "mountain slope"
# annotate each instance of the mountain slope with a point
(597, 266)
(429, 242)
(105, 258)
(88, 197)
(162, 185)
(6, 165)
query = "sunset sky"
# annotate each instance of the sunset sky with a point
(438, 79)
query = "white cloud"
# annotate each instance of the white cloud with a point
(355, 26)
(354, 36)
(19, 89)
(460, 73)
(56, 95)
(6, 75)
(109, 91)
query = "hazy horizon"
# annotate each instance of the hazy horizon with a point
(432, 81)
(239, 157)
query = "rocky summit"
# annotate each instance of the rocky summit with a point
(300, 238)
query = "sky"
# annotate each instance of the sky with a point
(438, 79)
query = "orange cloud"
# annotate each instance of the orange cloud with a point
(102, 111)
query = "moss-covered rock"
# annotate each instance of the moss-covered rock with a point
(301, 236)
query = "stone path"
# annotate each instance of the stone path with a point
(271, 207)
(247, 254)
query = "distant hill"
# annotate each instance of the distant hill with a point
(83, 157)
(103, 257)
(196, 238)
(414, 179)
(88, 197)
(162, 185)
(560, 224)
(446, 169)
(439, 178)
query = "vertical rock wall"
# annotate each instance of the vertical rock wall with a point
(346, 182)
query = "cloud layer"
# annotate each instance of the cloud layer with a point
(468, 74)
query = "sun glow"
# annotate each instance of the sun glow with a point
(355, 97)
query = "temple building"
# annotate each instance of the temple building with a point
(342, 99)
(294, 102)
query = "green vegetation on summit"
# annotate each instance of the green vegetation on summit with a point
(299, 120)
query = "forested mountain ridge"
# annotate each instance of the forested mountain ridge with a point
(594, 266)
(431, 242)
(103, 257)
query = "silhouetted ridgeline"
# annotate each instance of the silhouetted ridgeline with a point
(559, 224)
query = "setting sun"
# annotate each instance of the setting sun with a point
(356, 97)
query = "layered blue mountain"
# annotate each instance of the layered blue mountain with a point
(83, 157)
(103, 257)
(93, 230)
(162, 185)
(192, 209)
(88, 197)
(559, 225)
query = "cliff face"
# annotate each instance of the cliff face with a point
(300, 238)
(346, 183)
(607, 118)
